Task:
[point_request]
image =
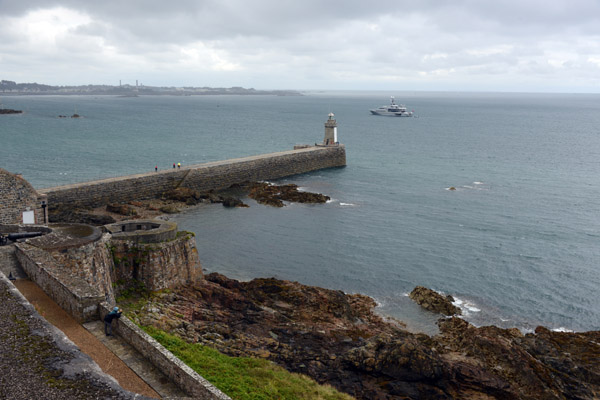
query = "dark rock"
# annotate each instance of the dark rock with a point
(274, 195)
(9, 111)
(433, 301)
(182, 194)
(121, 209)
(337, 338)
(66, 214)
(232, 202)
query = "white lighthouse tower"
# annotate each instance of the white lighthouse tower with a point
(330, 131)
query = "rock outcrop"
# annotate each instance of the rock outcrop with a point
(337, 338)
(10, 111)
(433, 301)
(275, 195)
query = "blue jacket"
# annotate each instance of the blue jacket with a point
(112, 315)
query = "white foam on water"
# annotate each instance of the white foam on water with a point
(477, 183)
(562, 329)
(346, 204)
(466, 306)
(331, 201)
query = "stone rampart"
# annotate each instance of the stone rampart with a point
(201, 177)
(186, 378)
(158, 265)
(71, 292)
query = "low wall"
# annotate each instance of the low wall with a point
(71, 292)
(201, 177)
(183, 376)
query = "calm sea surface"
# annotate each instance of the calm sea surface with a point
(517, 243)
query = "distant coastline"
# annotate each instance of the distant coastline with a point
(10, 88)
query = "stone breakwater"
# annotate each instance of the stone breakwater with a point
(202, 177)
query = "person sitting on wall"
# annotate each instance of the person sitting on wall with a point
(115, 313)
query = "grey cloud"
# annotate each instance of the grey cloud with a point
(316, 41)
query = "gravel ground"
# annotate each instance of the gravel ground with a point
(36, 362)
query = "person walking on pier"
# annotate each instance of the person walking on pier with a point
(178, 165)
(115, 313)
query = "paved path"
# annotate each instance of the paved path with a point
(85, 340)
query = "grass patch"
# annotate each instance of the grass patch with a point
(244, 377)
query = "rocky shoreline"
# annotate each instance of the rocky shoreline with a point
(337, 338)
(178, 200)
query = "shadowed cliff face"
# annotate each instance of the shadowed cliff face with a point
(336, 338)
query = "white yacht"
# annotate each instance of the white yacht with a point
(393, 110)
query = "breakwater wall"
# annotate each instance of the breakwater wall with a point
(201, 177)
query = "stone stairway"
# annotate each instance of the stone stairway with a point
(134, 360)
(8, 263)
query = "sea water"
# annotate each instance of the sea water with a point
(516, 243)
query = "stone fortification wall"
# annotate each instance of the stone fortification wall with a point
(71, 292)
(18, 196)
(91, 262)
(201, 177)
(186, 378)
(143, 231)
(157, 265)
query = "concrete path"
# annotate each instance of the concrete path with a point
(145, 382)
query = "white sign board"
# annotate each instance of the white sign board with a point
(28, 217)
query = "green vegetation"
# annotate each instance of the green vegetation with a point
(244, 377)
(186, 234)
(131, 290)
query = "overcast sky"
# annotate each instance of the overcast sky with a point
(459, 45)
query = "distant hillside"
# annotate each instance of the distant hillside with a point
(13, 88)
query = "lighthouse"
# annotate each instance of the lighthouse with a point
(330, 131)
